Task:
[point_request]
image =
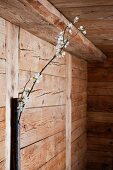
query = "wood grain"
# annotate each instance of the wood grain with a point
(49, 21)
(12, 80)
(36, 155)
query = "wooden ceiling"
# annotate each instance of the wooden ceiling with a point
(95, 15)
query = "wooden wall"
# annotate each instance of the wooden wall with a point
(2, 92)
(43, 122)
(100, 115)
(79, 117)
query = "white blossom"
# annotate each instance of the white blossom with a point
(82, 29)
(84, 32)
(38, 77)
(21, 106)
(66, 44)
(76, 19)
(69, 27)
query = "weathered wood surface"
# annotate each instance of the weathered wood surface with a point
(2, 92)
(46, 22)
(68, 110)
(96, 16)
(100, 115)
(79, 113)
(11, 80)
(57, 162)
(43, 132)
(80, 3)
(36, 155)
(40, 123)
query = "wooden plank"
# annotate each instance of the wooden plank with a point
(2, 131)
(2, 38)
(36, 155)
(102, 117)
(2, 151)
(39, 123)
(79, 147)
(3, 90)
(12, 79)
(79, 86)
(49, 21)
(2, 165)
(100, 130)
(79, 3)
(29, 61)
(88, 13)
(100, 103)
(100, 74)
(68, 110)
(2, 114)
(58, 162)
(79, 64)
(100, 144)
(79, 112)
(99, 160)
(45, 93)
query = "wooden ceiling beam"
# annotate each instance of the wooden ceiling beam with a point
(45, 21)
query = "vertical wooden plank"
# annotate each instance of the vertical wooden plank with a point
(68, 110)
(12, 32)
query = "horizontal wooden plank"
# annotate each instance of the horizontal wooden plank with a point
(2, 89)
(58, 162)
(57, 83)
(106, 64)
(2, 151)
(88, 13)
(32, 61)
(2, 26)
(78, 148)
(39, 123)
(80, 164)
(98, 166)
(2, 66)
(79, 64)
(2, 114)
(100, 88)
(79, 98)
(2, 165)
(102, 117)
(49, 21)
(99, 160)
(78, 86)
(36, 155)
(100, 144)
(79, 3)
(80, 74)
(100, 74)
(37, 47)
(2, 46)
(79, 112)
(100, 91)
(78, 132)
(45, 93)
(2, 131)
(100, 103)
(100, 130)
(78, 123)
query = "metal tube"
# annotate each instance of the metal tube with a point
(15, 136)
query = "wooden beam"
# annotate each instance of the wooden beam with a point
(11, 81)
(45, 21)
(68, 110)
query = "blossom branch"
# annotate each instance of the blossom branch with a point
(62, 43)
